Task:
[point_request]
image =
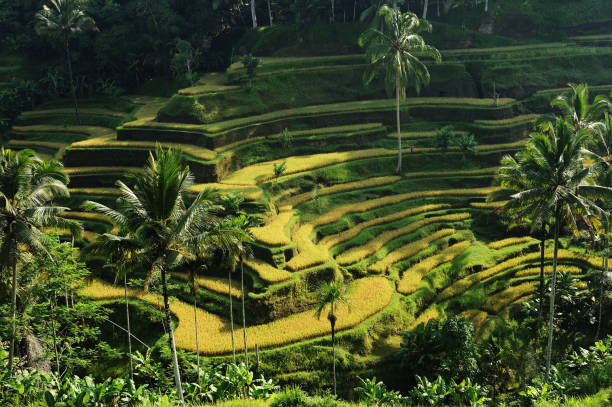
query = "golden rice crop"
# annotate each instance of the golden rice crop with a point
(548, 270)
(512, 120)
(477, 317)
(496, 302)
(367, 296)
(359, 253)
(348, 128)
(429, 314)
(461, 286)
(93, 131)
(35, 143)
(266, 272)
(433, 174)
(94, 191)
(411, 279)
(86, 234)
(110, 141)
(414, 135)
(231, 146)
(488, 205)
(102, 170)
(217, 285)
(336, 214)
(249, 193)
(334, 189)
(261, 172)
(202, 89)
(69, 110)
(408, 250)
(274, 234)
(511, 241)
(309, 254)
(346, 235)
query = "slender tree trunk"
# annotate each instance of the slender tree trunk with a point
(13, 263)
(253, 14)
(333, 333)
(395, 5)
(552, 294)
(195, 319)
(604, 273)
(231, 315)
(54, 335)
(72, 88)
(177, 373)
(270, 13)
(398, 170)
(354, 9)
(246, 355)
(486, 6)
(541, 307)
(333, 13)
(438, 7)
(129, 332)
(425, 6)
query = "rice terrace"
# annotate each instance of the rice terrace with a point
(305, 203)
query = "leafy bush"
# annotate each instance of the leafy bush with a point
(291, 397)
(443, 137)
(179, 108)
(375, 393)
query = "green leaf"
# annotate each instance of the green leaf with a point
(49, 399)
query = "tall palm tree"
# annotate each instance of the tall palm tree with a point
(331, 295)
(560, 188)
(156, 214)
(28, 187)
(577, 110)
(395, 52)
(65, 17)
(121, 253)
(512, 179)
(600, 150)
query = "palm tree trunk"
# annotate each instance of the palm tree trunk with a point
(13, 263)
(541, 307)
(553, 283)
(399, 134)
(231, 315)
(54, 335)
(195, 319)
(253, 14)
(354, 9)
(604, 273)
(129, 332)
(438, 7)
(72, 88)
(246, 355)
(486, 6)
(333, 332)
(270, 13)
(425, 6)
(333, 13)
(177, 373)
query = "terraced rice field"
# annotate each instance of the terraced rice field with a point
(338, 209)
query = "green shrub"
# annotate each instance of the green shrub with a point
(184, 109)
(291, 397)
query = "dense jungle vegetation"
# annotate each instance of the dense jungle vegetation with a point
(305, 203)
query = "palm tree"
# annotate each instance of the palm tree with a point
(65, 17)
(28, 187)
(600, 150)
(559, 188)
(512, 180)
(156, 214)
(576, 108)
(396, 52)
(253, 14)
(331, 294)
(122, 254)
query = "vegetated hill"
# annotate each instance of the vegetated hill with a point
(411, 247)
